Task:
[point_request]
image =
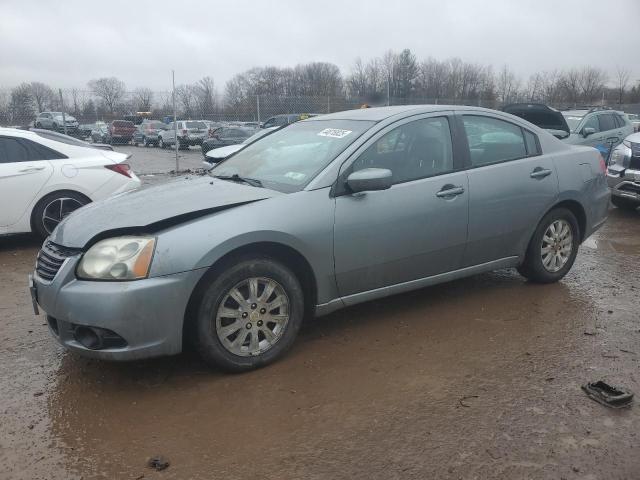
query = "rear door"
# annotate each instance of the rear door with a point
(24, 170)
(511, 185)
(415, 229)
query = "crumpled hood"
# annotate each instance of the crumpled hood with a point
(179, 200)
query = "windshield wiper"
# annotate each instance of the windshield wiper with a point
(254, 182)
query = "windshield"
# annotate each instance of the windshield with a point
(573, 121)
(288, 159)
(196, 124)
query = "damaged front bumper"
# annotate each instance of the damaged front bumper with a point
(115, 320)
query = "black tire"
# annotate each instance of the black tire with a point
(624, 203)
(207, 342)
(145, 142)
(38, 125)
(55, 127)
(38, 223)
(532, 268)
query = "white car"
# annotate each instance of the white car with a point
(44, 176)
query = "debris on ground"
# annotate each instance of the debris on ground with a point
(158, 462)
(607, 395)
(466, 397)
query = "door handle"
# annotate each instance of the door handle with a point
(449, 191)
(540, 172)
(31, 169)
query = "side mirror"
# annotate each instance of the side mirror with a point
(586, 131)
(370, 179)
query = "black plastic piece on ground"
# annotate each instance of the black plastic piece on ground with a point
(613, 397)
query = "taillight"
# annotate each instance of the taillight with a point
(603, 165)
(121, 168)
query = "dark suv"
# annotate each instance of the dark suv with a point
(286, 119)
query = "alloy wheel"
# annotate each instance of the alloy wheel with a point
(252, 316)
(557, 245)
(56, 210)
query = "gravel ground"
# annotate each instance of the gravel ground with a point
(475, 379)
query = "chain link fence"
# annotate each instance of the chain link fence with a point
(87, 107)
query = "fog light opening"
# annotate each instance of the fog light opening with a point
(88, 338)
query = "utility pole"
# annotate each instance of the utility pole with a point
(258, 108)
(175, 119)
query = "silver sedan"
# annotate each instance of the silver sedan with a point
(329, 212)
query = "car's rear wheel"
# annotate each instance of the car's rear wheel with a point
(53, 208)
(249, 314)
(625, 203)
(553, 247)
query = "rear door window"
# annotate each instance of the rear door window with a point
(15, 150)
(492, 140)
(607, 122)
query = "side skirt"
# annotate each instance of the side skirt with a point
(338, 303)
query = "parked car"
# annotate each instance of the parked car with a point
(85, 130)
(286, 119)
(147, 133)
(69, 140)
(55, 121)
(634, 118)
(623, 174)
(323, 214)
(120, 131)
(218, 154)
(45, 176)
(190, 132)
(593, 126)
(100, 133)
(224, 136)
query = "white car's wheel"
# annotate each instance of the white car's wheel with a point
(52, 209)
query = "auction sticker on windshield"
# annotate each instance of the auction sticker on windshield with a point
(334, 133)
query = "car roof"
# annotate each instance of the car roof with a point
(377, 114)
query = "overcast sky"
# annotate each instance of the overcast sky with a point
(66, 43)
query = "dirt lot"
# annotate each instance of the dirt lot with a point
(474, 379)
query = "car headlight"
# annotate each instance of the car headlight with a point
(119, 258)
(621, 156)
(626, 143)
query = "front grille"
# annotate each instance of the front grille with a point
(50, 259)
(634, 163)
(635, 149)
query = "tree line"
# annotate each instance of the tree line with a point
(395, 77)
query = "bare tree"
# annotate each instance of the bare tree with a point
(205, 96)
(42, 95)
(142, 99)
(507, 85)
(110, 89)
(622, 74)
(22, 104)
(185, 96)
(592, 83)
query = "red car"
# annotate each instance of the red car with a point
(120, 131)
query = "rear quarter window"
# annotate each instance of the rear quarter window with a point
(531, 141)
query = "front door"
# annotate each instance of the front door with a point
(415, 229)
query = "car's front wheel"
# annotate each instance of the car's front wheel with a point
(553, 247)
(52, 209)
(624, 203)
(249, 314)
